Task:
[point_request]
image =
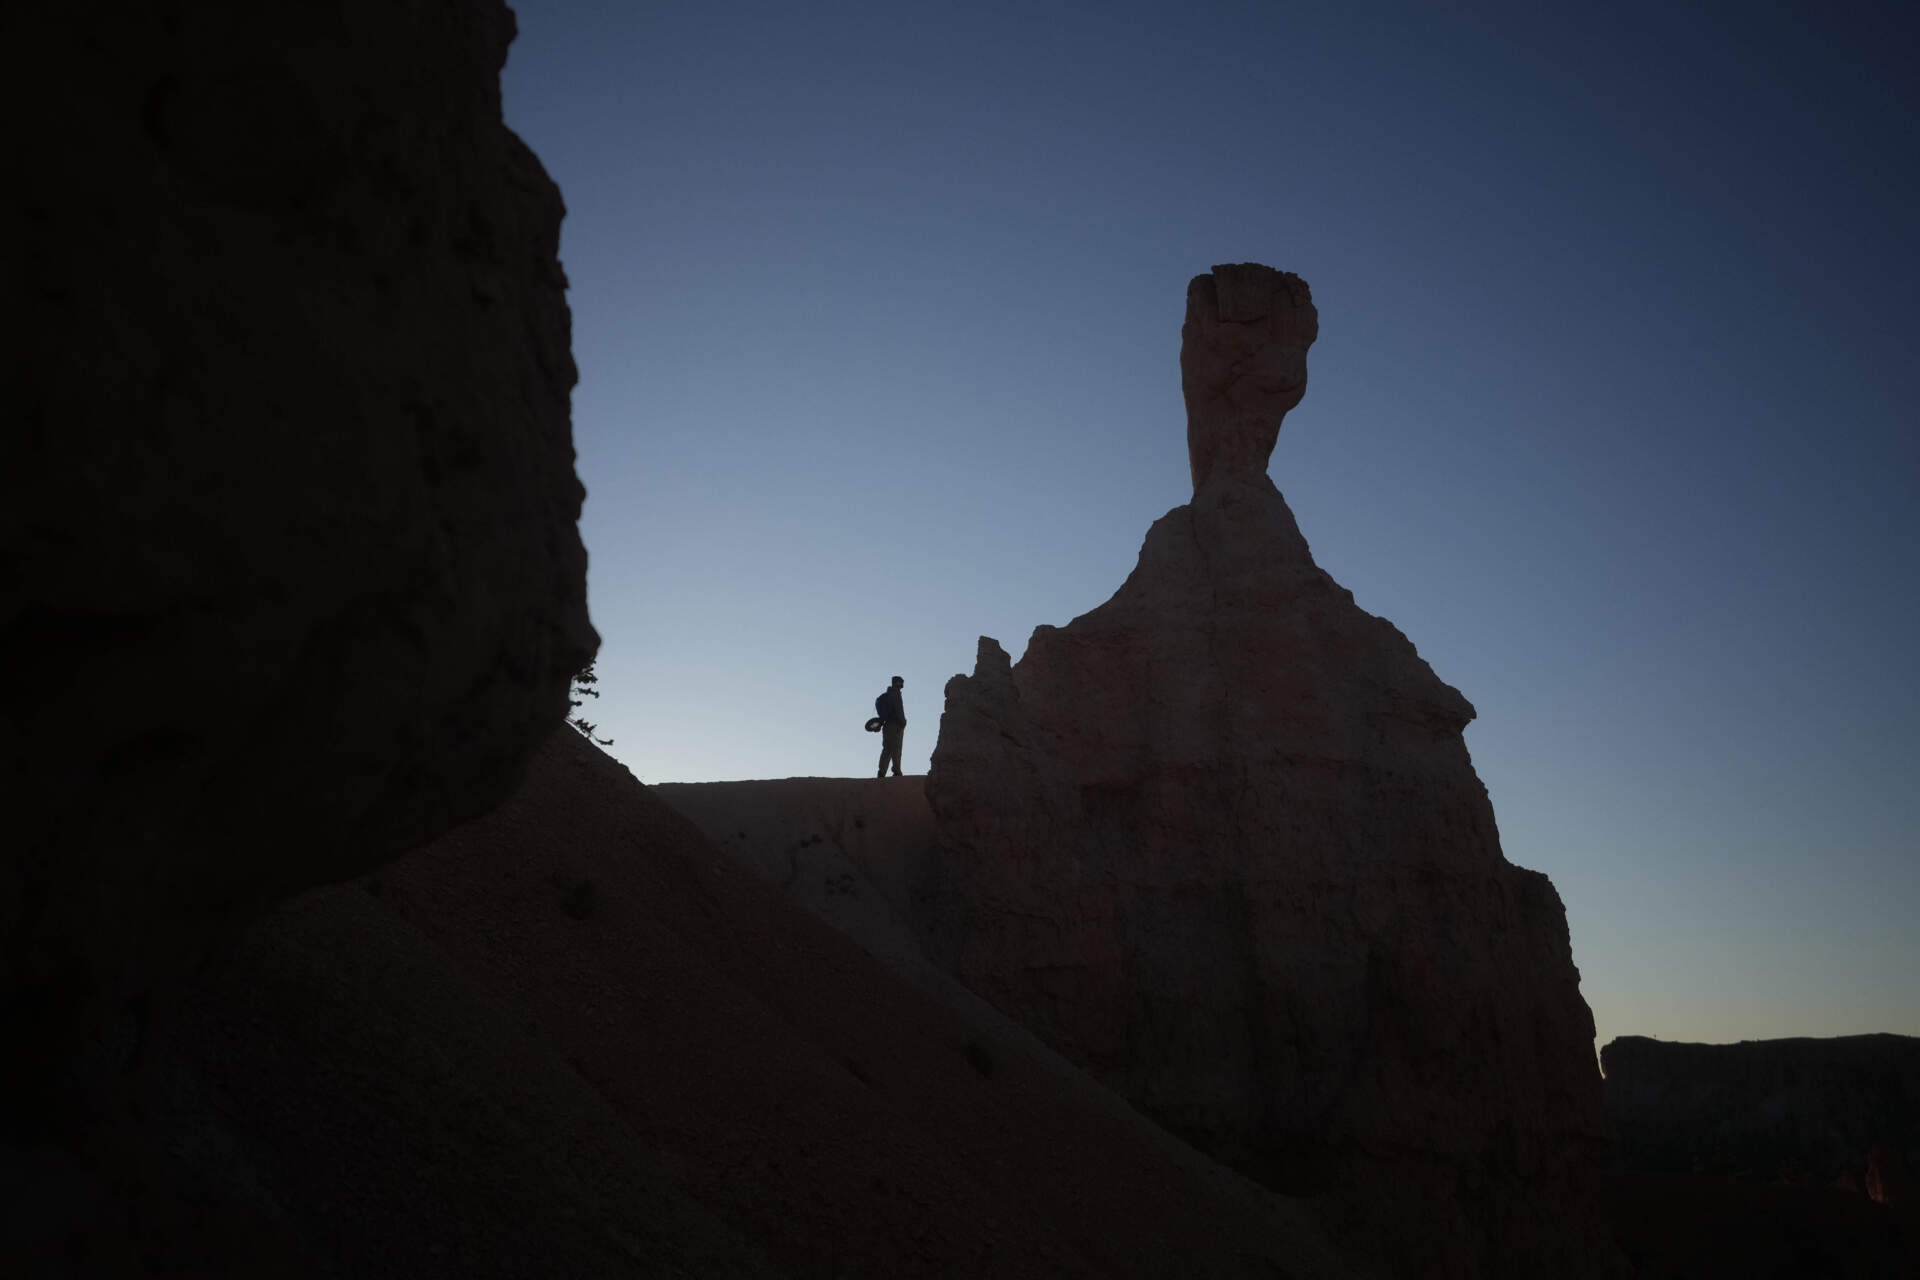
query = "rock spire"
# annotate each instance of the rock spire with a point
(1219, 841)
(1243, 365)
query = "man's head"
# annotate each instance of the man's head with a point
(898, 682)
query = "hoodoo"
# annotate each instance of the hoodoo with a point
(1219, 840)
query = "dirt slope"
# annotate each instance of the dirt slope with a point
(572, 1040)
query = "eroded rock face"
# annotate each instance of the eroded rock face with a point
(1814, 1111)
(1220, 841)
(292, 581)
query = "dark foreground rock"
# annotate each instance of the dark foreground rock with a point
(1718, 1228)
(291, 578)
(570, 1039)
(853, 852)
(1220, 842)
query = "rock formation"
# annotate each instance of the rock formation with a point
(1683, 1227)
(853, 855)
(570, 1040)
(292, 581)
(1766, 1156)
(1220, 842)
(1243, 366)
(1802, 1110)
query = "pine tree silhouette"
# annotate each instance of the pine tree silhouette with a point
(583, 682)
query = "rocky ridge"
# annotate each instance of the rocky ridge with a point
(572, 1039)
(1766, 1157)
(1816, 1111)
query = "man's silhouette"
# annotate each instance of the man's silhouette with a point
(893, 722)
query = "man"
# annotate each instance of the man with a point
(893, 722)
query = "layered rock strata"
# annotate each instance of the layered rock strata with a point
(292, 581)
(1220, 841)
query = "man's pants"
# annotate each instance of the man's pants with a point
(890, 735)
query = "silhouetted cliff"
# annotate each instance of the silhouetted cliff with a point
(291, 581)
(1801, 1110)
(288, 497)
(1789, 1158)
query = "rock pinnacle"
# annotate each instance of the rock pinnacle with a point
(1243, 364)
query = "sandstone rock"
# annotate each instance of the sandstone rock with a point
(1243, 364)
(1220, 842)
(856, 856)
(292, 581)
(1888, 1180)
(1717, 1228)
(850, 853)
(1804, 1110)
(447, 1069)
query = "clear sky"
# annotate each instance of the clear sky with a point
(1613, 412)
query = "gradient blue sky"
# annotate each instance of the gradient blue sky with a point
(877, 313)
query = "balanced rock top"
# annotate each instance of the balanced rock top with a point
(1243, 364)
